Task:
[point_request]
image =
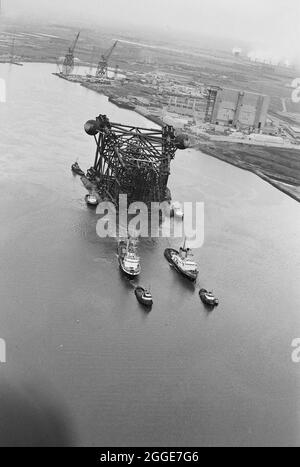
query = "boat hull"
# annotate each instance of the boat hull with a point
(92, 204)
(77, 170)
(188, 275)
(130, 274)
(206, 301)
(121, 254)
(121, 104)
(139, 293)
(176, 215)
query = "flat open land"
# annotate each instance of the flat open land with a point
(280, 167)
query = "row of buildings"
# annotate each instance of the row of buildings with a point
(184, 100)
(222, 106)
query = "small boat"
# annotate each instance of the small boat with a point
(208, 298)
(144, 296)
(128, 259)
(91, 200)
(77, 170)
(122, 102)
(176, 210)
(182, 262)
(91, 174)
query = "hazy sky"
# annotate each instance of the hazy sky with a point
(272, 24)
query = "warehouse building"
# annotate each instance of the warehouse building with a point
(188, 106)
(239, 109)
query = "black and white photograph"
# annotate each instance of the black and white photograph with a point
(150, 226)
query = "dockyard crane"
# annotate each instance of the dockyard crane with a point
(103, 63)
(92, 59)
(68, 64)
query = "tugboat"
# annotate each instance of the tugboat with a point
(182, 262)
(176, 210)
(144, 296)
(208, 298)
(77, 170)
(91, 174)
(91, 200)
(128, 259)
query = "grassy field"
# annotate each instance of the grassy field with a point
(280, 167)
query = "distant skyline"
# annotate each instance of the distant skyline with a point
(271, 27)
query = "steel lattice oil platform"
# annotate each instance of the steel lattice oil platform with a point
(131, 160)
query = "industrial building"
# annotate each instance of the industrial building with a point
(239, 109)
(226, 107)
(294, 131)
(189, 106)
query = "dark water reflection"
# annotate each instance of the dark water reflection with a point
(30, 417)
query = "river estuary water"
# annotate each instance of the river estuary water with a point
(85, 364)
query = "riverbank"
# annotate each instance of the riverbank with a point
(277, 166)
(119, 96)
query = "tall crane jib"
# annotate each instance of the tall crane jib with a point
(68, 64)
(102, 69)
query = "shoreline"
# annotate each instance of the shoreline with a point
(282, 183)
(288, 186)
(280, 180)
(229, 152)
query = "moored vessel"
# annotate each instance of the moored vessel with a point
(123, 103)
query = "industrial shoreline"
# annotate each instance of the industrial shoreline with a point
(184, 90)
(248, 157)
(282, 183)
